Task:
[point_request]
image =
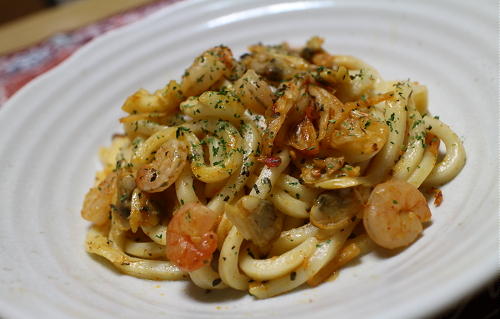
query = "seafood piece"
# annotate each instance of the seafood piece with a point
(275, 63)
(359, 137)
(99, 200)
(256, 219)
(191, 238)
(319, 170)
(335, 209)
(394, 214)
(167, 166)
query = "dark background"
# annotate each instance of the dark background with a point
(13, 9)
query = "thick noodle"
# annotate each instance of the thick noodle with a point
(268, 172)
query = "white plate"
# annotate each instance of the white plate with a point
(51, 131)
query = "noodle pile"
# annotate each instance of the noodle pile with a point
(267, 172)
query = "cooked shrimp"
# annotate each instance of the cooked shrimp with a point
(191, 239)
(165, 169)
(98, 201)
(359, 137)
(349, 127)
(394, 214)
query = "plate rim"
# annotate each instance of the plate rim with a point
(5, 109)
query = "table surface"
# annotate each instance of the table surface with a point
(20, 40)
(36, 27)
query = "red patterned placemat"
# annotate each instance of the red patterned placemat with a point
(20, 67)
